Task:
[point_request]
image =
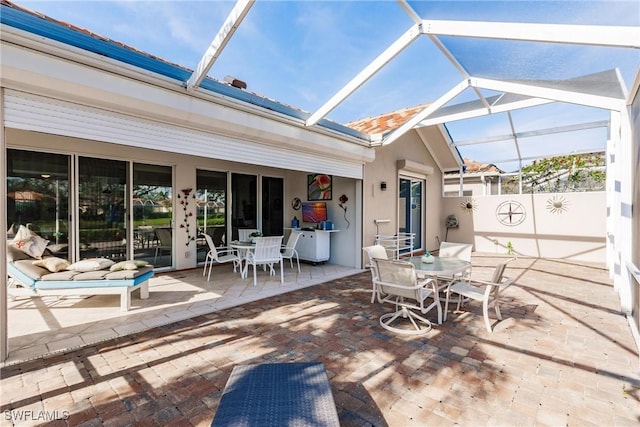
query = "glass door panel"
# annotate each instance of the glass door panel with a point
(102, 208)
(272, 206)
(153, 214)
(38, 196)
(244, 209)
(410, 214)
(211, 200)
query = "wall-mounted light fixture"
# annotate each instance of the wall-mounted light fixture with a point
(383, 186)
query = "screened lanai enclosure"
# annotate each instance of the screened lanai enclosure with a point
(511, 81)
(507, 84)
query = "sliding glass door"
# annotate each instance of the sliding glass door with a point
(272, 206)
(244, 206)
(410, 216)
(211, 201)
(102, 208)
(153, 214)
(38, 196)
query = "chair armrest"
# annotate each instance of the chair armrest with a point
(226, 250)
(423, 283)
(506, 281)
(429, 283)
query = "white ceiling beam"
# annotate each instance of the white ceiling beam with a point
(219, 42)
(544, 156)
(430, 109)
(450, 57)
(410, 11)
(595, 35)
(479, 112)
(561, 95)
(402, 42)
(548, 131)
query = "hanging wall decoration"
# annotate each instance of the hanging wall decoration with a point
(318, 187)
(511, 213)
(184, 201)
(468, 205)
(343, 205)
(557, 204)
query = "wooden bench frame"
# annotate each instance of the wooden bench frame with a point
(122, 287)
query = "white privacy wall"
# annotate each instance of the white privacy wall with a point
(575, 232)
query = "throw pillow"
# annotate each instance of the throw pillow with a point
(128, 265)
(29, 242)
(91, 264)
(15, 254)
(52, 263)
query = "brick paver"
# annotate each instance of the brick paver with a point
(563, 355)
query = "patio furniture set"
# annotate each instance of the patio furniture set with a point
(410, 283)
(255, 251)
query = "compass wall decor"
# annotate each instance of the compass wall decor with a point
(511, 213)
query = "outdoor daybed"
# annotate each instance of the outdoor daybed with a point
(53, 276)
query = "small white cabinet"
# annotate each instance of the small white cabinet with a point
(315, 246)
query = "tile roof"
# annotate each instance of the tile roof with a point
(471, 166)
(385, 122)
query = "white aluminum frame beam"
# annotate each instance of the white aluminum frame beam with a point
(478, 112)
(533, 133)
(561, 95)
(594, 35)
(563, 153)
(396, 47)
(441, 47)
(219, 42)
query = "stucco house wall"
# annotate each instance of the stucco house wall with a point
(383, 204)
(185, 166)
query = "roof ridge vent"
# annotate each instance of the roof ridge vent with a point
(235, 82)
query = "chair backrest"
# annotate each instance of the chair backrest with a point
(218, 236)
(212, 246)
(267, 249)
(375, 251)
(498, 273)
(243, 233)
(401, 274)
(164, 235)
(292, 241)
(455, 250)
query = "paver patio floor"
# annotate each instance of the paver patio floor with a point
(563, 355)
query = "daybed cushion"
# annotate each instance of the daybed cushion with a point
(91, 264)
(33, 271)
(29, 242)
(61, 275)
(128, 274)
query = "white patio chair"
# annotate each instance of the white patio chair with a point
(166, 242)
(479, 290)
(289, 250)
(375, 251)
(219, 255)
(243, 233)
(398, 281)
(454, 250)
(266, 253)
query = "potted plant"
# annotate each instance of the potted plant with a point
(427, 258)
(254, 234)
